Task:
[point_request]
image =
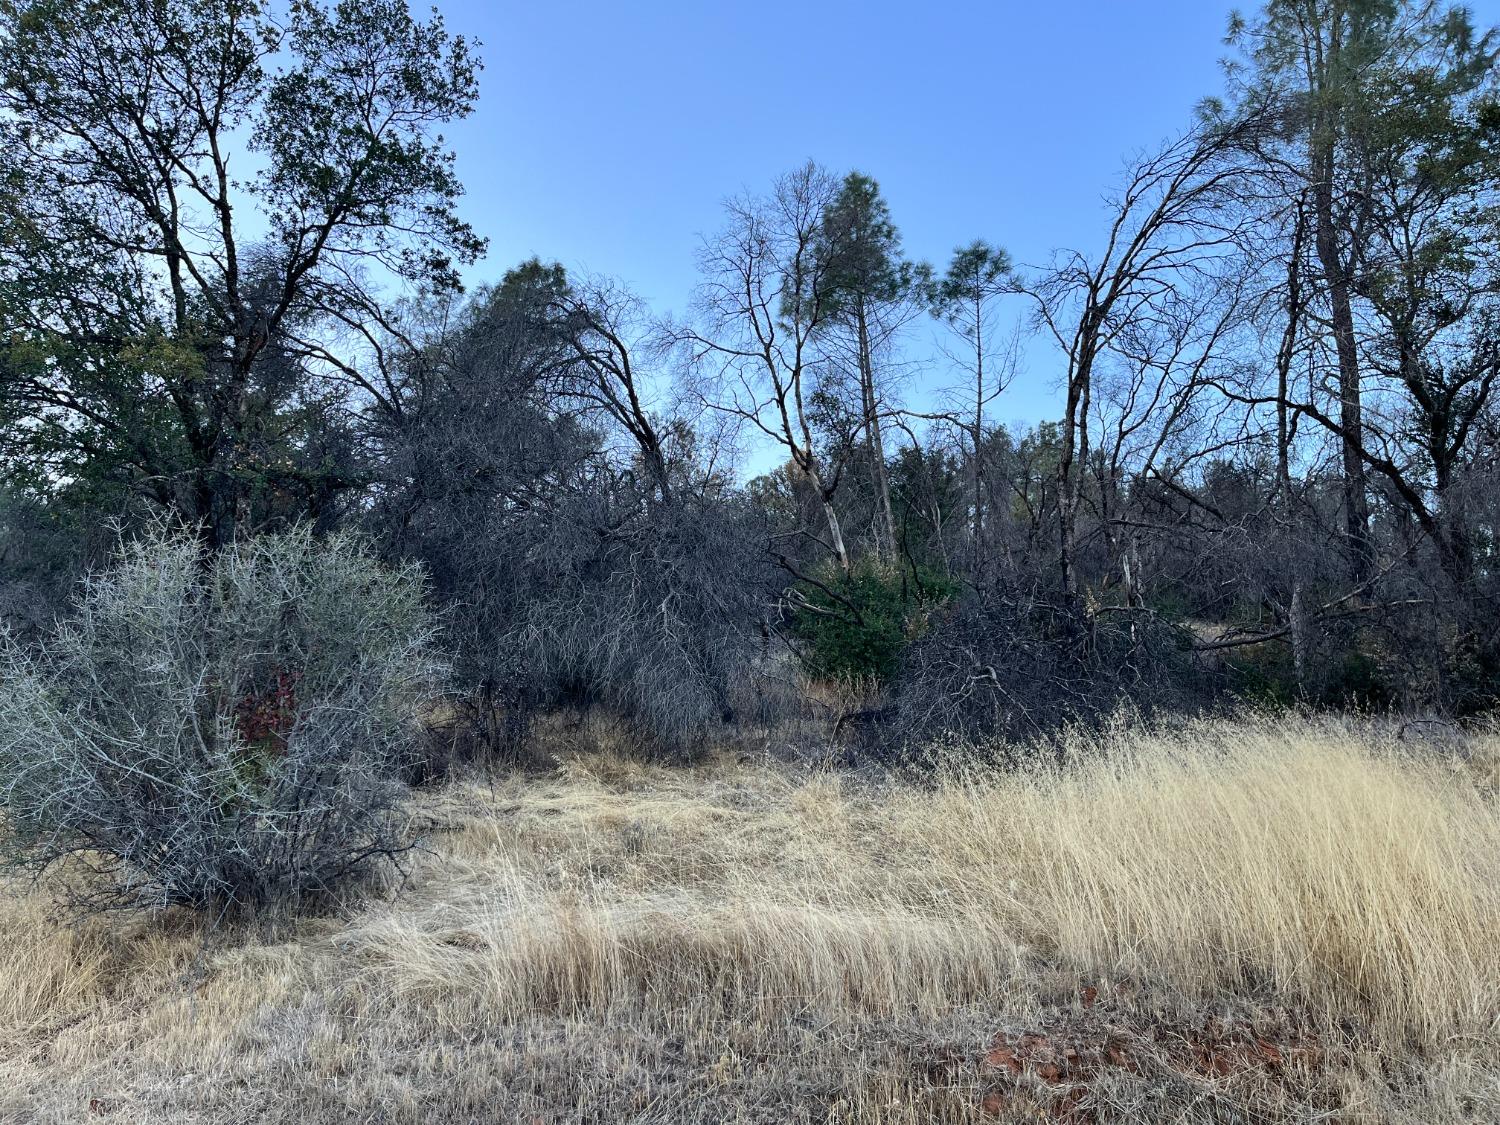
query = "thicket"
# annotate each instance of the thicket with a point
(1004, 666)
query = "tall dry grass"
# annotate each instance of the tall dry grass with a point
(731, 941)
(1354, 875)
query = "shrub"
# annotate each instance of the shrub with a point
(1007, 665)
(856, 626)
(217, 730)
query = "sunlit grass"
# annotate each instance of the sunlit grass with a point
(693, 943)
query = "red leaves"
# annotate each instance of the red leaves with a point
(1036, 1054)
(1222, 1052)
(266, 719)
(1118, 1056)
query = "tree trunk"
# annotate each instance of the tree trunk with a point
(978, 474)
(1326, 239)
(1284, 357)
(1351, 424)
(836, 535)
(825, 498)
(885, 519)
(1070, 468)
(1299, 631)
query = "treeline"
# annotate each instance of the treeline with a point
(229, 295)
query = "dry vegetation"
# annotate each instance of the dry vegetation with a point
(1273, 922)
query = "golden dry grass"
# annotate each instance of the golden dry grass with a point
(1264, 922)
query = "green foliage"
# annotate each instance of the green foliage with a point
(860, 248)
(171, 328)
(861, 244)
(977, 274)
(857, 625)
(1347, 675)
(926, 495)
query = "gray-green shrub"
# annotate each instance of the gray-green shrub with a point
(222, 729)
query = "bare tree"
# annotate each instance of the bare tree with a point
(1156, 411)
(609, 330)
(766, 296)
(1174, 220)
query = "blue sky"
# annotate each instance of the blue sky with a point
(608, 134)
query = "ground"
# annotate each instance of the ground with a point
(1268, 921)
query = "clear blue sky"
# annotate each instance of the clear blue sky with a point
(608, 134)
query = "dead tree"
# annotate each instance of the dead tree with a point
(1175, 219)
(767, 293)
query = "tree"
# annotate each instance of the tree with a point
(608, 331)
(1350, 78)
(171, 319)
(1153, 413)
(871, 291)
(1174, 223)
(1390, 120)
(965, 298)
(472, 460)
(577, 571)
(769, 291)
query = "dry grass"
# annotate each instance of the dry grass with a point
(1269, 922)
